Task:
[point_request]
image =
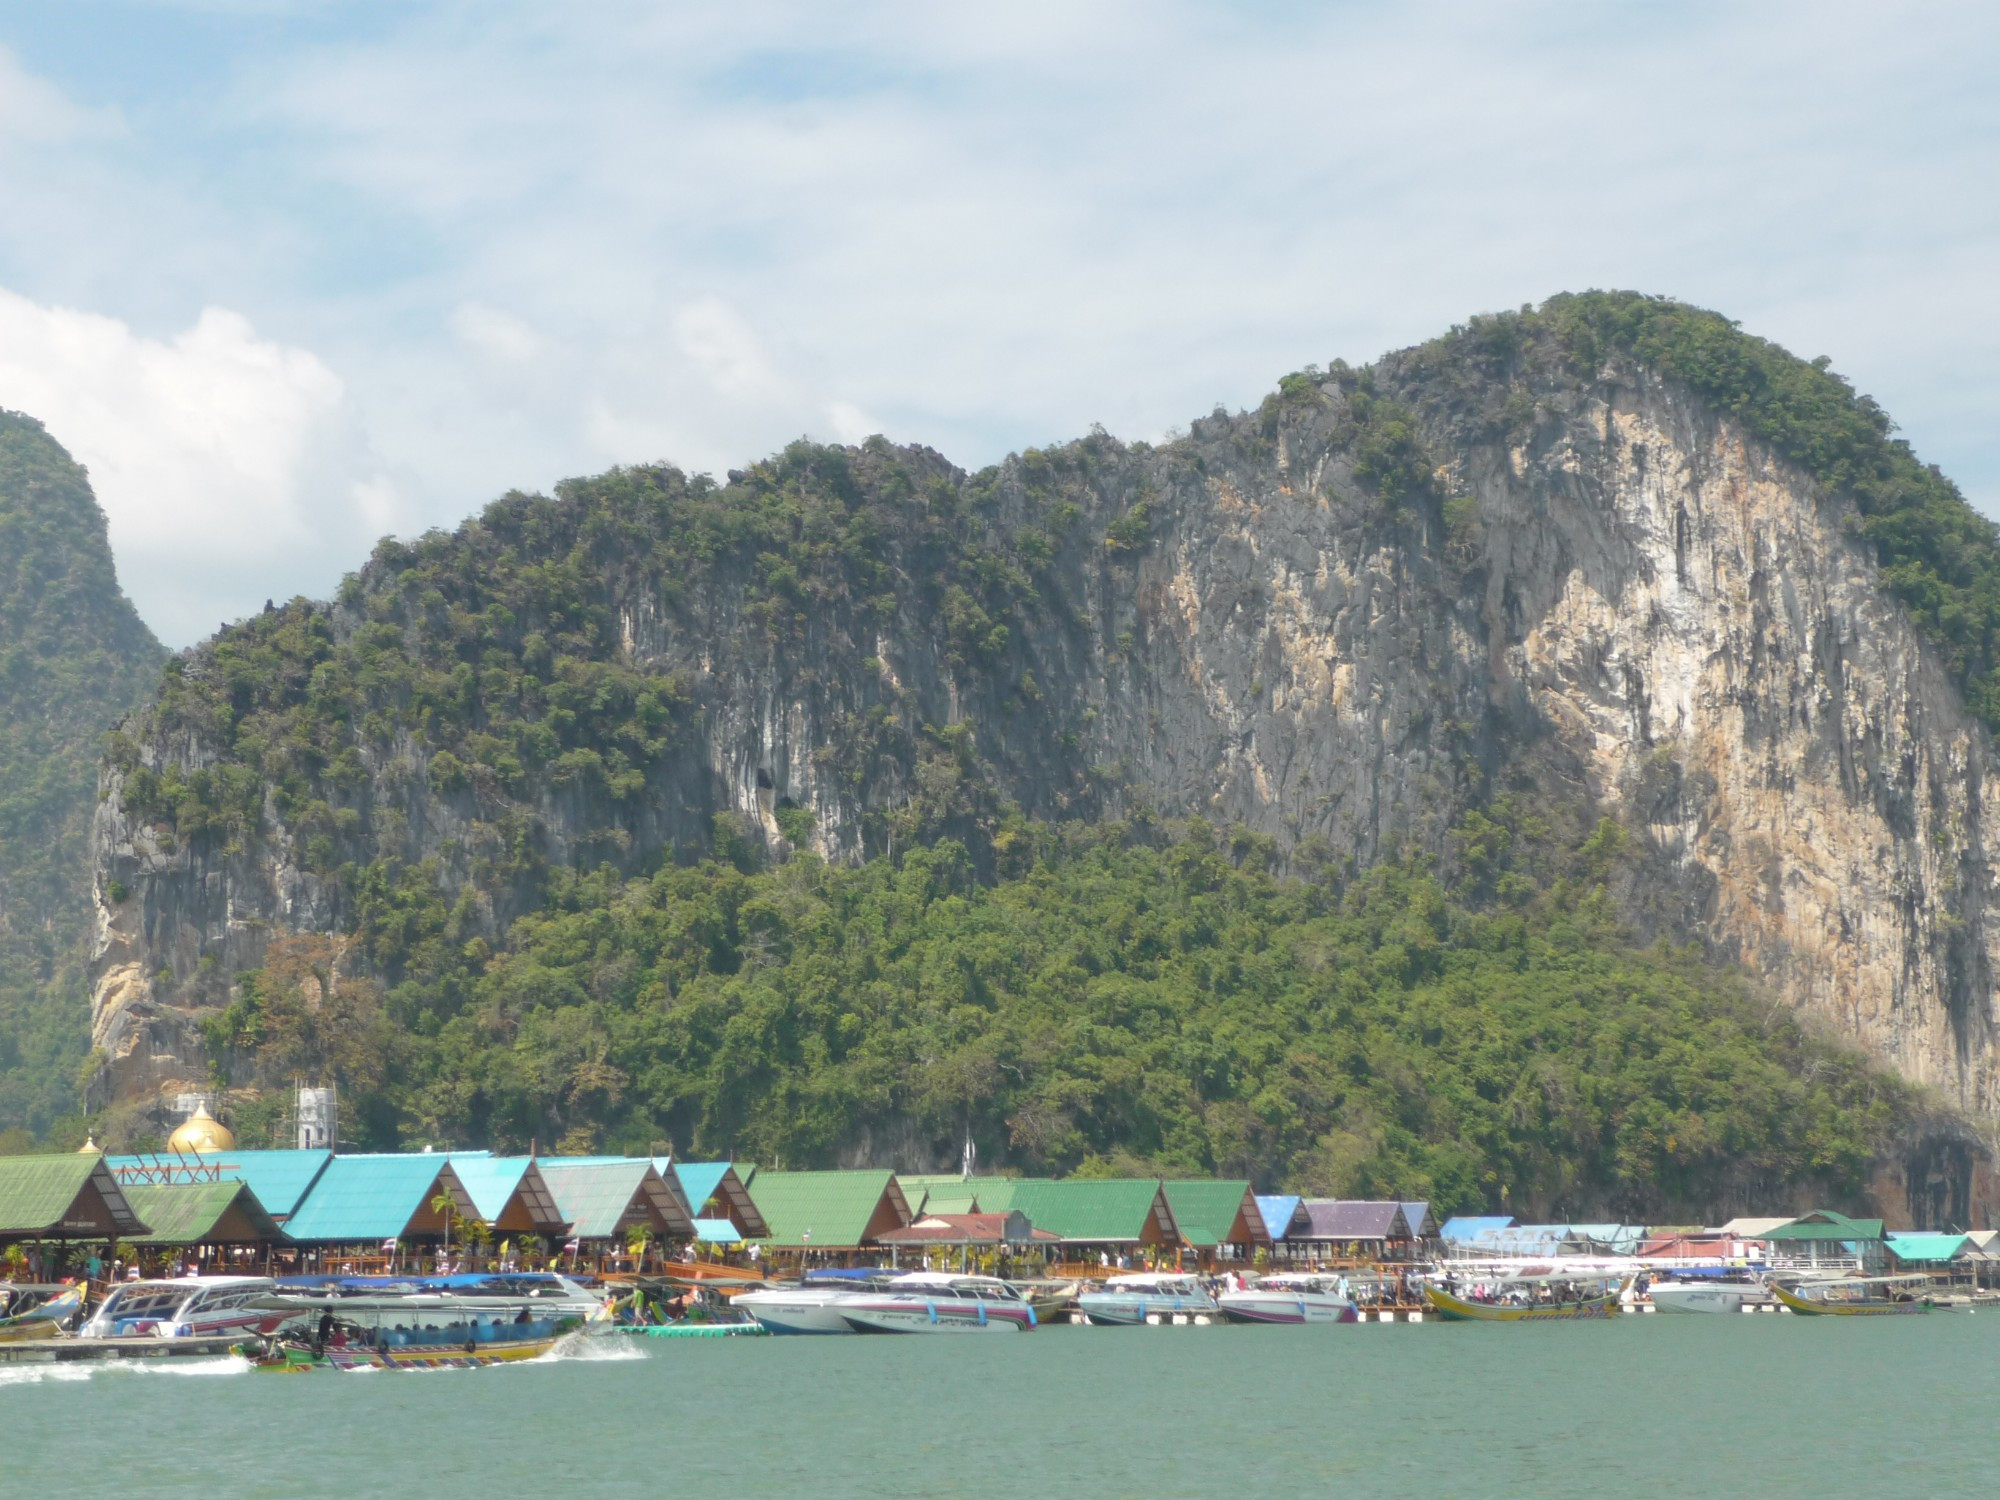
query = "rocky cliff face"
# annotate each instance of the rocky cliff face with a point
(74, 657)
(1340, 622)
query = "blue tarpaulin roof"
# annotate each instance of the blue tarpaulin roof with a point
(1279, 1210)
(362, 1198)
(717, 1232)
(1471, 1227)
(278, 1179)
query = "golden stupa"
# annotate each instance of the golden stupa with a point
(89, 1146)
(200, 1132)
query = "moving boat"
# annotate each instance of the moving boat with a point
(1291, 1297)
(1150, 1297)
(1707, 1296)
(1849, 1297)
(347, 1329)
(34, 1311)
(1519, 1307)
(809, 1306)
(934, 1302)
(184, 1307)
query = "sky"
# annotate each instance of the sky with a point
(288, 277)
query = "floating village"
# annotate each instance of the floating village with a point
(312, 1259)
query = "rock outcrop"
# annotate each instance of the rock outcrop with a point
(1340, 621)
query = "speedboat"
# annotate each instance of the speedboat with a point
(1150, 1297)
(1706, 1296)
(546, 1294)
(1291, 1297)
(809, 1306)
(933, 1302)
(185, 1307)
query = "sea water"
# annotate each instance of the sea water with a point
(1765, 1404)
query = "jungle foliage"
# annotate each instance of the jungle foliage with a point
(1133, 995)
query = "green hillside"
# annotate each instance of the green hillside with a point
(1131, 995)
(73, 657)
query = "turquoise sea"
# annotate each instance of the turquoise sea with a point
(1764, 1405)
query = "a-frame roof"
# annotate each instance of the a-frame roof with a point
(1217, 1213)
(359, 1199)
(280, 1179)
(603, 1198)
(829, 1210)
(1087, 1210)
(1825, 1224)
(1283, 1212)
(509, 1193)
(202, 1213)
(68, 1197)
(700, 1182)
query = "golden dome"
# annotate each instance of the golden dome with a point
(202, 1132)
(89, 1146)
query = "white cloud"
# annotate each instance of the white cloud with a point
(496, 334)
(225, 463)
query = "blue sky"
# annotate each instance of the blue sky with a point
(287, 276)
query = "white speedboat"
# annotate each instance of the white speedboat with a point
(809, 1306)
(1150, 1297)
(185, 1307)
(1706, 1296)
(1291, 1297)
(927, 1302)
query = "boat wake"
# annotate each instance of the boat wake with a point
(85, 1369)
(593, 1347)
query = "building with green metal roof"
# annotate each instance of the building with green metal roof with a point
(69, 1197)
(202, 1213)
(1112, 1212)
(280, 1179)
(368, 1200)
(828, 1210)
(941, 1192)
(1826, 1240)
(1211, 1214)
(607, 1198)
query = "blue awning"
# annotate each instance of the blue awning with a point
(717, 1232)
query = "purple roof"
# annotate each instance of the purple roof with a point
(1353, 1219)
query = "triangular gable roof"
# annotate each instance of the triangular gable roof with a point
(1927, 1247)
(1750, 1229)
(66, 1197)
(1283, 1212)
(280, 1179)
(1423, 1223)
(603, 1199)
(202, 1213)
(969, 1229)
(509, 1193)
(360, 1199)
(942, 1192)
(1088, 1210)
(700, 1182)
(1825, 1224)
(1211, 1212)
(1354, 1219)
(829, 1210)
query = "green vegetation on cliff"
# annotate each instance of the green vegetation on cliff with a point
(73, 658)
(1135, 995)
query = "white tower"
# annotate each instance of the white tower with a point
(318, 1119)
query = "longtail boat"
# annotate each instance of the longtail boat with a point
(1458, 1309)
(295, 1357)
(39, 1312)
(1843, 1305)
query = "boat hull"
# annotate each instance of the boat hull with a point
(1859, 1309)
(1457, 1309)
(936, 1317)
(1706, 1299)
(1284, 1308)
(1123, 1310)
(43, 1322)
(779, 1314)
(294, 1361)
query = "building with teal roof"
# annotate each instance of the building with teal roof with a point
(279, 1179)
(365, 1200)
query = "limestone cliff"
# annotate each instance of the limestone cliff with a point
(1340, 621)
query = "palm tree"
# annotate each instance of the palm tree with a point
(447, 1205)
